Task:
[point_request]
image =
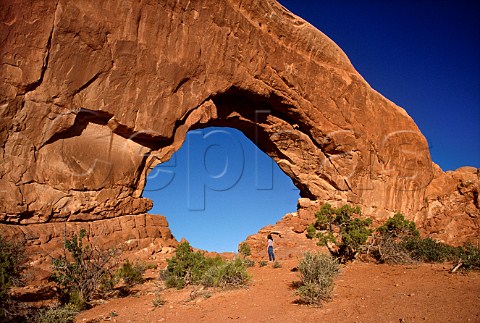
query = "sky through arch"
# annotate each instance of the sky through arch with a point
(218, 188)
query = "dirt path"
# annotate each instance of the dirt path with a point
(363, 293)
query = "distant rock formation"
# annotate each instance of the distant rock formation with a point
(93, 95)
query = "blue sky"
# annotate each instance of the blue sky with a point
(218, 188)
(422, 55)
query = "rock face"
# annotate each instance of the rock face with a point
(144, 233)
(95, 94)
(289, 237)
(452, 205)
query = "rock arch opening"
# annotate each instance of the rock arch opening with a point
(218, 188)
(77, 143)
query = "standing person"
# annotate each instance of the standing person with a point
(271, 255)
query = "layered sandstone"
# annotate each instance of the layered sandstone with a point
(95, 94)
(145, 233)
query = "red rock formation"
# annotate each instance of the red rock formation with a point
(95, 94)
(452, 206)
(140, 232)
(289, 238)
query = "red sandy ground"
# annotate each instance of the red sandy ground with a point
(363, 293)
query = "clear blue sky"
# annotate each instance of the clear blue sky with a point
(218, 189)
(422, 55)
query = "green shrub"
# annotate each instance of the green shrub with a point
(226, 274)
(398, 241)
(343, 234)
(12, 265)
(249, 262)
(317, 272)
(57, 314)
(398, 226)
(235, 274)
(263, 263)
(131, 273)
(151, 266)
(158, 300)
(107, 282)
(189, 267)
(469, 256)
(427, 250)
(80, 273)
(388, 245)
(244, 249)
(186, 267)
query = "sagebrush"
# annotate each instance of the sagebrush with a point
(57, 314)
(317, 273)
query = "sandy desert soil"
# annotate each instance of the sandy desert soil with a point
(363, 293)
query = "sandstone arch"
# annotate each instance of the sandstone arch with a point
(90, 102)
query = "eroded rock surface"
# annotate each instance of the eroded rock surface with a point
(147, 234)
(95, 94)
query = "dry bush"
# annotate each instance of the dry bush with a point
(81, 272)
(317, 271)
(388, 250)
(12, 265)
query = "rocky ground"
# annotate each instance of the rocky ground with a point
(363, 293)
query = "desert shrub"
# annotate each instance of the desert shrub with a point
(107, 283)
(398, 226)
(151, 266)
(387, 249)
(249, 262)
(388, 244)
(244, 249)
(226, 274)
(263, 263)
(158, 300)
(131, 273)
(189, 267)
(235, 274)
(80, 273)
(57, 314)
(186, 267)
(427, 250)
(469, 255)
(277, 264)
(398, 241)
(12, 265)
(341, 230)
(317, 272)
